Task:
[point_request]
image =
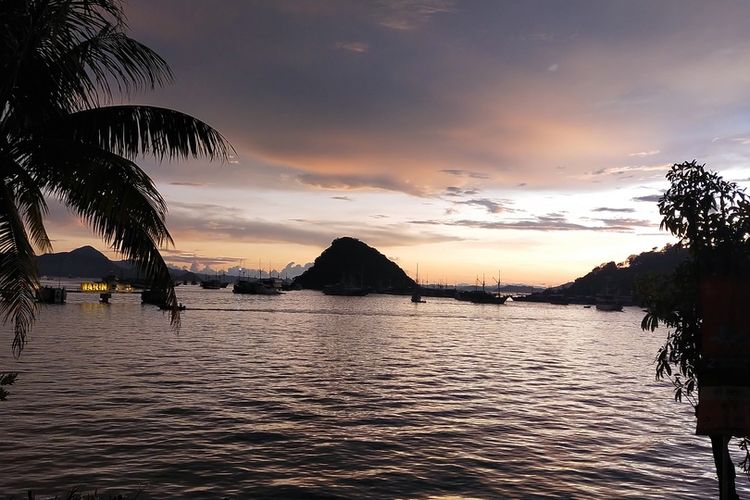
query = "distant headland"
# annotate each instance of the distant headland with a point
(352, 263)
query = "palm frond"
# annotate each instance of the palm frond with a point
(110, 57)
(135, 130)
(67, 55)
(30, 201)
(116, 198)
(18, 275)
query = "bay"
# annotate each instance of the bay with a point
(307, 395)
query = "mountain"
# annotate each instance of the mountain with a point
(88, 262)
(84, 262)
(348, 261)
(616, 279)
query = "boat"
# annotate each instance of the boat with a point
(51, 295)
(212, 284)
(416, 297)
(481, 297)
(608, 306)
(255, 287)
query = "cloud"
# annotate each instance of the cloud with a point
(611, 209)
(651, 198)
(342, 198)
(627, 222)
(354, 182)
(218, 223)
(465, 173)
(356, 47)
(407, 15)
(643, 154)
(492, 207)
(553, 67)
(180, 258)
(544, 223)
(662, 167)
(482, 104)
(455, 191)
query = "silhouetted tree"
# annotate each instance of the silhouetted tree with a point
(60, 61)
(711, 217)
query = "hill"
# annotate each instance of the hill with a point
(349, 261)
(84, 262)
(88, 262)
(616, 279)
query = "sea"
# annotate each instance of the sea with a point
(305, 395)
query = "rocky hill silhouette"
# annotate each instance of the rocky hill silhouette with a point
(88, 262)
(351, 262)
(84, 262)
(619, 280)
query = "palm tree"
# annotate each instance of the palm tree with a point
(61, 64)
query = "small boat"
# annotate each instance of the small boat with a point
(607, 303)
(51, 295)
(255, 287)
(212, 284)
(416, 297)
(481, 297)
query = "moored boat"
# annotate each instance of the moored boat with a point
(51, 295)
(608, 306)
(212, 284)
(255, 287)
(481, 297)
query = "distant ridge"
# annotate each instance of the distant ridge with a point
(616, 279)
(348, 261)
(84, 262)
(88, 262)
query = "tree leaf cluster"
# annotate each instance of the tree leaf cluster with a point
(62, 64)
(5, 380)
(711, 218)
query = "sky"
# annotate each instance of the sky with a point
(522, 139)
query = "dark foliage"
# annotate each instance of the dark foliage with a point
(5, 380)
(61, 62)
(711, 217)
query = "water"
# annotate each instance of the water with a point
(307, 395)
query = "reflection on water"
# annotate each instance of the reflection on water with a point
(307, 394)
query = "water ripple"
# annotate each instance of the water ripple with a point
(309, 396)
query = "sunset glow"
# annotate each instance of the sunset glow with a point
(529, 138)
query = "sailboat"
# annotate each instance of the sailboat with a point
(416, 297)
(482, 296)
